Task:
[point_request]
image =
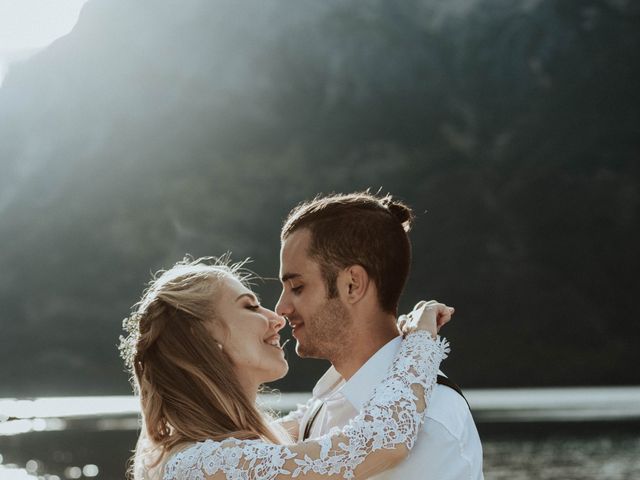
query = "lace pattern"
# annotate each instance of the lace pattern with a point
(392, 417)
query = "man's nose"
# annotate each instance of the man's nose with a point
(283, 307)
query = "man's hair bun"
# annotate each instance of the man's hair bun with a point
(400, 211)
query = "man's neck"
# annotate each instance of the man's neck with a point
(363, 345)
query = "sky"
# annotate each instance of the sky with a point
(27, 26)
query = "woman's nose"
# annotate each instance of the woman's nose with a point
(276, 321)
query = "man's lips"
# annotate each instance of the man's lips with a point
(296, 327)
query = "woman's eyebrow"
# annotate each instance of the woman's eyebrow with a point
(252, 296)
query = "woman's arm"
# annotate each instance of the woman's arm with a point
(376, 439)
(406, 323)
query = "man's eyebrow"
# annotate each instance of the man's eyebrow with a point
(252, 296)
(289, 276)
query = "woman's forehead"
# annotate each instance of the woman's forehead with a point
(234, 287)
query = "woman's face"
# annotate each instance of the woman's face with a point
(252, 342)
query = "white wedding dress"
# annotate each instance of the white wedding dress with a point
(373, 441)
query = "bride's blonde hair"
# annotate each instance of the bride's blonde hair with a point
(188, 389)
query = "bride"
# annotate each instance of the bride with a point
(199, 347)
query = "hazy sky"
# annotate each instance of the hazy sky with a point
(28, 25)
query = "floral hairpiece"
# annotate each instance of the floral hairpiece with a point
(128, 344)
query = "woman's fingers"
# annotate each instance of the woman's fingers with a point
(422, 303)
(426, 315)
(419, 304)
(444, 316)
(402, 323)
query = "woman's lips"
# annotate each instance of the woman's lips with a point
(273, 340)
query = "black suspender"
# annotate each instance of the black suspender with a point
(442, 380)
(307, 428)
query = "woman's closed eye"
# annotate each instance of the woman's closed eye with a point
(253, 307)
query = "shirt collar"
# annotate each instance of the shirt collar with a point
(357, 389)
(328, 383)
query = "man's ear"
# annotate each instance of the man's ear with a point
(355, 283)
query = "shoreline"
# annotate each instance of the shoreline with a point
(489, 406)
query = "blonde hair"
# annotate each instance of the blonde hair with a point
(188, 389)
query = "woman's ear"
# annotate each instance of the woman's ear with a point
(355, 283)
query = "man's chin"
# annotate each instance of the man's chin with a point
(305, 352)
(301, 351)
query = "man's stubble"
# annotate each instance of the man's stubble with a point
(328, 332)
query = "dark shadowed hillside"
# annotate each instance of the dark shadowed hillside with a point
(159, 128)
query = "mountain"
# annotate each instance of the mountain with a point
(156, 129)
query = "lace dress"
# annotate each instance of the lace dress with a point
(376, 439)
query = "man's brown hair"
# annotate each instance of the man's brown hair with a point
(358, 229)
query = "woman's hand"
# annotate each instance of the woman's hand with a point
(429, 316)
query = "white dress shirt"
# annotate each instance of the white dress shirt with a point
(448, 446)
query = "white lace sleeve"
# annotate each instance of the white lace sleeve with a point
(376, 439)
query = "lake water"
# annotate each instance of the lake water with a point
(97, 443)
(558, 452)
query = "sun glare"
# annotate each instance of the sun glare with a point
(27, 26)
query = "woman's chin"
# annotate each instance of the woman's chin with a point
(280, 372)
(285, 369)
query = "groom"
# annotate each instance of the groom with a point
(344, 261)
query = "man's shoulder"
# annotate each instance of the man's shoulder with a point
(449, 409)
(448, 447)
